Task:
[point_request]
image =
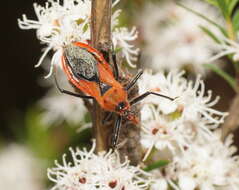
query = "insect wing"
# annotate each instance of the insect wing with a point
(88, 87)
(82, 63)
(98, 56)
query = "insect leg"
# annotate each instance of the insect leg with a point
(116, 132)
(141, 97)
(134, 80)
(116, 69)
(107, 117)
(70, 93)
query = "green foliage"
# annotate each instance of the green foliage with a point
(220, 28)
(85, 28)
(156, 165)
(39, 138)
(235, 21)
(117, 50)
(230, 30)
(231, 81)
(210, 34)
(50, 142)
(231, 5)
(226, 6)
(212, 2)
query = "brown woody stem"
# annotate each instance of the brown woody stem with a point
(129, 141)
(101, 40)
(232, 121)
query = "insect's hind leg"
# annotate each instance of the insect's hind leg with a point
(68, 92)
(141, 97)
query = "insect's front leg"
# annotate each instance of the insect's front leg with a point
(141, 97)
(116, 132)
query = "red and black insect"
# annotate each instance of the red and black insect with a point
(88, 71)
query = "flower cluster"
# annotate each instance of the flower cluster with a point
(102, 171)
(173, 124)
(59, 107)
(180, 131)
(20, 169)
(60, 24)
(206, 166)
(173, 38)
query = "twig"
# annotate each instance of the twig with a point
(101, 40)
(232, 121)
(130, 133)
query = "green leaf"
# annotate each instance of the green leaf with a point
(156, 165)
(38, 136)
(205, 18)
(210, 34)
(232, 5)
(86, 26)
(224, 8)
(117, 50)
(235, 21)
(231, 81)
(212, 2)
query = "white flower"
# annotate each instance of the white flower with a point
(227, 47)
(61, 24)
(160, 183)
(121, 38)
(57, 25)
(191, 103)
(209, 165)
(103, 171)
(19, 169)
(173, 39)
(58, 107)
(162, 134)
(174, 125)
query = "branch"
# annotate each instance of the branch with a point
(101, 40)
(232, 121)
(101, 24)
(129, 140)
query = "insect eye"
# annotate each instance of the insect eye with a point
(120, 106)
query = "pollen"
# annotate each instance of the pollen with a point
(155, 131)
(82, 180)
(113, 184)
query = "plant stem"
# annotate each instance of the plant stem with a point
(129, 140)
(232, 121)
(101, 40)
(230, 29)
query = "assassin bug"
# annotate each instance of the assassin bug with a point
(88, 71)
